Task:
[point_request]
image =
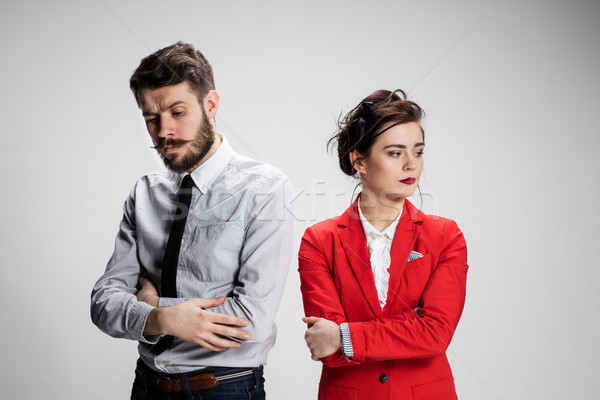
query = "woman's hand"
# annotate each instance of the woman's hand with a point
(323, 338)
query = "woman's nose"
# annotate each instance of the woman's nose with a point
(410, 164)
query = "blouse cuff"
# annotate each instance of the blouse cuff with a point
(346, 340)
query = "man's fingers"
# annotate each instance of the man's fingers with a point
(147, 293)
(224, 319)
(191, 322)
(216, 343)
(218, 318)
(211, 302)
(210, 346)
(232, 332)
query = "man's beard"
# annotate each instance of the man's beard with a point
(197, 148)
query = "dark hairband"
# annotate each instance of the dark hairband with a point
(358, 132)
(389, 127)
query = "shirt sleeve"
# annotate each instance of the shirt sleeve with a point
(114, 305)
(319, 293)
(264, 261)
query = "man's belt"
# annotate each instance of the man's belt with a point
(195, 382)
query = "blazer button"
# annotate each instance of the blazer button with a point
(383, 378)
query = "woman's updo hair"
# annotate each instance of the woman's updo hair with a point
(373, 116)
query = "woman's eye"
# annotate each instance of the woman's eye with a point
(419, 153)
(395, 154)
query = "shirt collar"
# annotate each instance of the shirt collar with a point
(206, 172)
(371, 231)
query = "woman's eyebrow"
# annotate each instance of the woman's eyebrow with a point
(402, 146)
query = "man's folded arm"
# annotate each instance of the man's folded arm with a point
(265, 260)
(114, 306)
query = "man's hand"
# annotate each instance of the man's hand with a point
(189, 321)
(148, 293)
(323, 337)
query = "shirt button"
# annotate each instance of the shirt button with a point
(179, 272)
(383, 378)
(162, 364)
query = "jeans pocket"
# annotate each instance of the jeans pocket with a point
(256, 386)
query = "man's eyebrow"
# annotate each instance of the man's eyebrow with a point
(145, 113)
(402, 146)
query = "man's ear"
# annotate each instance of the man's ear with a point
(211, 104)
(357, 162)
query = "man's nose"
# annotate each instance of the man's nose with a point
(167, 128)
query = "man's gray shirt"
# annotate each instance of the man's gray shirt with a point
(236, 243)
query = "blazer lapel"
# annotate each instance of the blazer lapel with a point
(353, 241)
(406, 234)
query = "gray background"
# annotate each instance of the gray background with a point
(511, 89)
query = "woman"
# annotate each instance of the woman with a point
(383, 284)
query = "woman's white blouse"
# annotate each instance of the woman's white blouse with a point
(379, 245)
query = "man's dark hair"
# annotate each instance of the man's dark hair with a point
(174, 64)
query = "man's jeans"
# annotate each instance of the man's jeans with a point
(244, 387)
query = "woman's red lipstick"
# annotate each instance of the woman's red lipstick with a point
(409, 181)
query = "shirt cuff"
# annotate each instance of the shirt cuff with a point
(346, 340)
(137, 316)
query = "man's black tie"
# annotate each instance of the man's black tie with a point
(169, 266)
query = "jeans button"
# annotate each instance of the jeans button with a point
(383, 378)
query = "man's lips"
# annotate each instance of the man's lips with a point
(169, 149)
(409, 181)
(170, 145)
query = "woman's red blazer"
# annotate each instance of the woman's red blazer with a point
(400, 351)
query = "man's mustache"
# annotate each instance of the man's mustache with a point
(164, 142)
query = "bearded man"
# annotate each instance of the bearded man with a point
(203, 249)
